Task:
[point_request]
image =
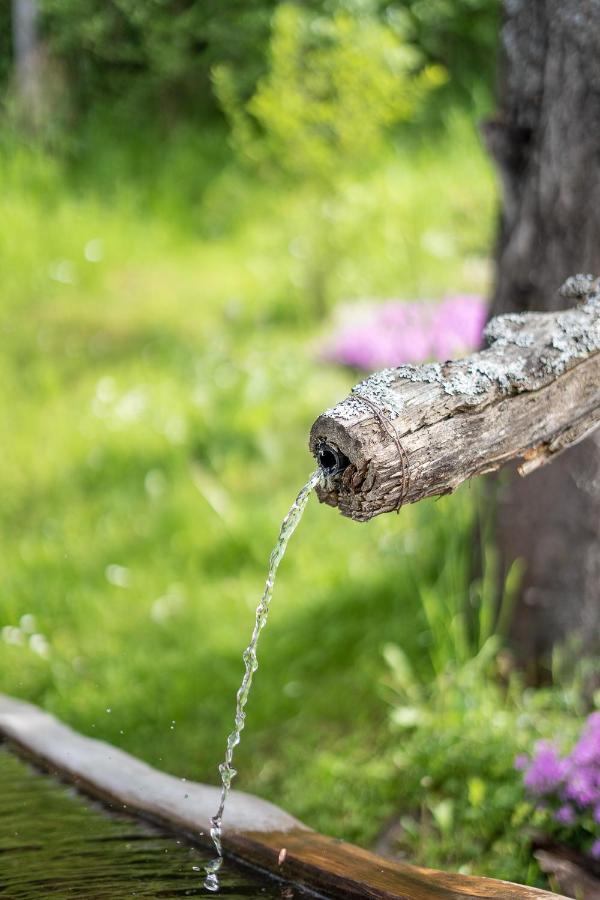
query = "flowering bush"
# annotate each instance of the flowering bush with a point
(566, 789)
(375, 336)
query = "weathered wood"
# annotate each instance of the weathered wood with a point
(343, 870)
(127, 782)
(254, 831)
(420, 431)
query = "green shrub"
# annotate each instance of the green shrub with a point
(457, 740)
(461, 715)
(334, 87)
(461, 35)
(155, 56)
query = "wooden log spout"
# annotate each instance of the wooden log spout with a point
(420, 431)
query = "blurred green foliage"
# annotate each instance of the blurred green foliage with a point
(154, 58)
(160, 364)
(334, 87)
(144, 52)
(461, 36)
(5, 43)
(463, 802)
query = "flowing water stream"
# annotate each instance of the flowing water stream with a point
(228, 773)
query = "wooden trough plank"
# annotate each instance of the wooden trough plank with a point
(129, 783)
(255, 831)
(343, 870)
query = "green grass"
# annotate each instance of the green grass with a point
(157, 407)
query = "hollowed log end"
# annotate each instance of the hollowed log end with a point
(330, 459)
(352, 456)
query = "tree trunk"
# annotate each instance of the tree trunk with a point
(546, 143)
(28, 75)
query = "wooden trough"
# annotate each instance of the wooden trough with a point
(255, 832)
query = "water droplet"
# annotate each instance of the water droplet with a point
(211, 883)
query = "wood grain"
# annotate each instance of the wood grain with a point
(339, 869)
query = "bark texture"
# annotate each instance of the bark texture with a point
(546, 143)
(420, 431)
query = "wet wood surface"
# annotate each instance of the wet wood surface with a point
(255, 831)
(343, 870)
(420, 431)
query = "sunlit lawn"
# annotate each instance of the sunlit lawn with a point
(160, 375)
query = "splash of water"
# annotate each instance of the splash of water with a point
(228, 773)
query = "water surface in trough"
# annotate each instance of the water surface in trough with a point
(56, 843)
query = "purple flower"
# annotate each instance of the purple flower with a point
(583, 787)
(374, 336)
(568, 787)
(587, 748)
(458, 325)
(593, 722)
(547, 770)
(565, 815)
(521, 762)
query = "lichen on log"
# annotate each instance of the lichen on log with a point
(420, 431)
